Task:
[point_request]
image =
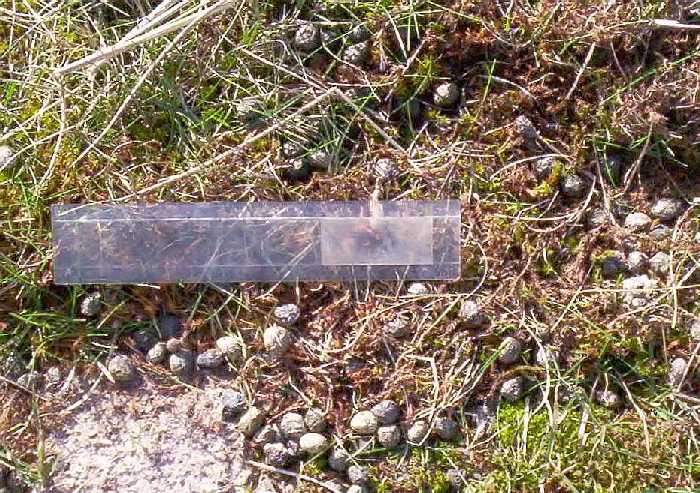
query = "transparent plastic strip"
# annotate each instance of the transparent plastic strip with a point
(261, 241)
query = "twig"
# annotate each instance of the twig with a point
(295, 475)
(111, 51)
(586, 61)
(22, 388)
(632, 172)
(672, 25)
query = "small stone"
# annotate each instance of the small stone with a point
(637, 262)
(387, 412)
(637, 221)
(356, 54)
(293, 447)
(357, 488)
(233, 403)
(544, 167)
(385, 169)
(121, 369)
(267, 434)
(638, 290)
(446, 94)
(597, 218)
(364, 423)
(145, 339)
(249, 109)
(297, 169)
(446, 428)
(510, 350)
(315, 420)
(668, 209)
(471, 315)
(292, 148)
(230, 347)
(338, 460)
(287, 314)
(251, 421)
(52, 376)
(313, 443)
(611, 168)
(525, 128)
(308, 37)
(292, 426)
(359, 34)
(455, 478)
(573, 186)
(397, 327)
(417, 432)
(330, 39)
(173, 345)
(613, 263)
(608, 398)
(6, 157)
(695, 330)
(211, 358)
(169, 326)
(157, 353)
(277, 454)
(677, 371)
(320, 159)
(417, 289)
(182, 362)
(389, 436)
(91, 304)
(512, 389)
(660, 263)
(277, 340)
(358, 474)
(660, 232)
(547, 355)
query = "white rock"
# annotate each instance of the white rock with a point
(637, 221)
(660, 264)
(230, 347)
(547, 355)
(364, 423)
(446, 94)
(667, 209)
(121, 368)
(287, 314)
(675, 374)
(292, 426)
(308, 37)
(638, 290)
(417, 289)
(389, 436)
(315, 420)
(512, 389)
(277, 340)
(386, 411)
(417, 432)
(695, 330)
(251, 421)
(608, 398)
(313, 443)
(6, 157)
(637, 262)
